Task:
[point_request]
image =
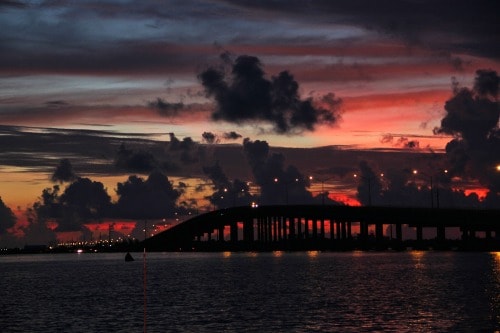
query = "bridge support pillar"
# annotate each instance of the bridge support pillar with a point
(234, 232)
(275, 229)
(291, 228)
(248, 231)
(441, 234)
(221, 233)
(420, 233)
(269, 230)
(399, 232)
(363, 230)
(306, 228)
(332, 227)
(344, 230)
(286, 230)
(379, 232)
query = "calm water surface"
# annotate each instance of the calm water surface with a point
(252, 292)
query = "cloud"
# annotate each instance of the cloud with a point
(472, 117)
(165, 108)
(245, 95)
(64, 172)
(12, 3)
(135, 161)
(231, 135)
(453, 26)
(402, 141)
(209, 137)
(279, 184)
(7, 218)
(154, 197)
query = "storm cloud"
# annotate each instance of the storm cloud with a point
(243, 94)
(279, 184)
(472, 117)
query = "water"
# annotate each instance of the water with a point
(252, 292)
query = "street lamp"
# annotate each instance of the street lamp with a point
(276, 180)
(415, 172)
(369, 180)
(322, 187)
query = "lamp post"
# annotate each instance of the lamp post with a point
(322, 188)
(369, 180)
(415, 172)
(276, 180)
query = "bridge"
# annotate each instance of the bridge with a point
(328, 227)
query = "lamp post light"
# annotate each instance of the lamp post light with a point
(415, 172)
(322, 188)
(369, 180)
(276, 180)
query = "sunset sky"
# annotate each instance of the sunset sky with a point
(382, 69)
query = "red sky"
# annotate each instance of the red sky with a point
(98, 65)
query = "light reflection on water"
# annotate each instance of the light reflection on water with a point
(252, 292)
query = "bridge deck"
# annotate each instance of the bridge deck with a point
(283, 222)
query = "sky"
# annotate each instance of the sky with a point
(357, 74)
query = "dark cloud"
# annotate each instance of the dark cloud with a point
(451, 25)
(279, 184)
(117, 57)
(387, 138)
(12, 3)
(7, 217)
(246, 95)
(227, 193)
(406, 143)
(216, 175)
(135, 161)
(209, 137)
(83, 200)
(472, 117)
(402, 141)
(56, 103)
(64, 172)
(369, 186)
(185, 144)
(165, 108)
(186, 148)
(154, 197)
(231, 135)
(487, 83)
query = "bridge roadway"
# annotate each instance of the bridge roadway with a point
(327, 227)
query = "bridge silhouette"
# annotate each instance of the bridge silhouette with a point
(328, 227)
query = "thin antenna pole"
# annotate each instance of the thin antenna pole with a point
(145, 293)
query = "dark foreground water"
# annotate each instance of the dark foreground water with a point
(252, 292)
